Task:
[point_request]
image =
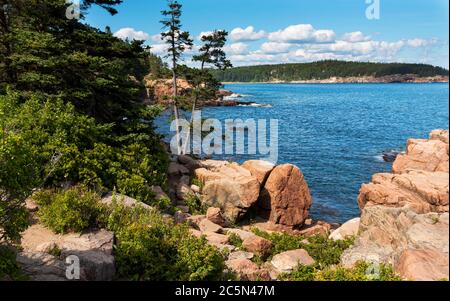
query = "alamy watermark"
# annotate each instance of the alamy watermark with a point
(232, 137)
(73, 11)
(73, 268)
(373, 9)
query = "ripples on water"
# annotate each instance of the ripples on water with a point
(336, 133)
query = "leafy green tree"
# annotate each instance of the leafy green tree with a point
(178, 41)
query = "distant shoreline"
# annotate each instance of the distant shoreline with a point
(358, 80)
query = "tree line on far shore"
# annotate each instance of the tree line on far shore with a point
(323, 70)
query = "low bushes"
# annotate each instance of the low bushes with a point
(73, 210)
(362, 271)
(151, 248)
(324, 251)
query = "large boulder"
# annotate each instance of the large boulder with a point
(232, 189)
(421, 191)
(286, 195)
(421, 154)
(259, 169)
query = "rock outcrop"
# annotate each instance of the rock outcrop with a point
(428, 155)
(286, 195)
(44, 254)
(279, 194)
(404, 215)
(421, 191)
(160, 90)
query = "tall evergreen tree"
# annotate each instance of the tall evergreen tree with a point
(178, 41)
(211, 53)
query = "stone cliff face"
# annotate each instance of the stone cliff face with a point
(404, 215)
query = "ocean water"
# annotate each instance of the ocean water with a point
(337, 133)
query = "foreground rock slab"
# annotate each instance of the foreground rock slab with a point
(41, 261)
(416, 245)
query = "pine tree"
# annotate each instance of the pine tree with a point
(178, 41)
(211, 53)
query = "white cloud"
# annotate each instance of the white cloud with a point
(356, 36)
(247, 34)
(274, 47)
(159, 49)
(302, 33)
(131, 34)
(420, 42)
(236, 48)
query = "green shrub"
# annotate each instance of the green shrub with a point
(235, 240)
(362, 271)
(324, 251)
(150, 248)
(62, 145)
(72, 210)
(195, 205)
(9, 269)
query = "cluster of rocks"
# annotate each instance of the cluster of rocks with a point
(404, 214)
(279, 194)
(213, 227)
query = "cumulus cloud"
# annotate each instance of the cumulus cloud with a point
(302, 33)
(236, 48)
(159, 49)
(247, 34)
(131, 34)
(356, 36)
(275, 47)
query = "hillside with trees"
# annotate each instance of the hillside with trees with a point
(324, 70)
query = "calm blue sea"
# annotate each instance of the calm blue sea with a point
(337, 133)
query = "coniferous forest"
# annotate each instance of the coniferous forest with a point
(324, 70)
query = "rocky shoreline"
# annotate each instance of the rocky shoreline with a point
(404, 218)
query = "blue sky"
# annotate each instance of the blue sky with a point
(282, 31)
